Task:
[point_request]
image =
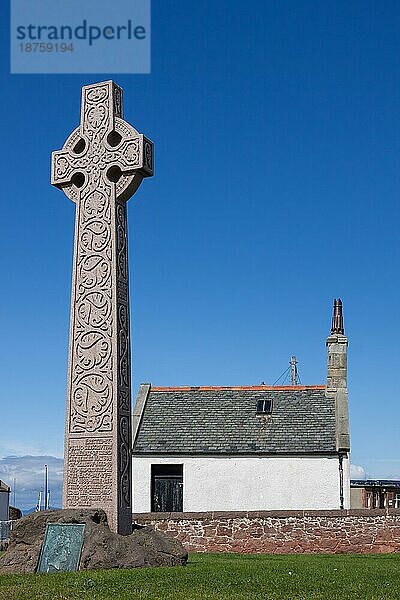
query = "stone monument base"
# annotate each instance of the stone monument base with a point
(102, 549)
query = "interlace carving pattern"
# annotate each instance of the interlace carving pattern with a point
(124, 375)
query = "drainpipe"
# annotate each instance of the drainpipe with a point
(341, 481)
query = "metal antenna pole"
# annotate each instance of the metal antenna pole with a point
(293, 366)
(46, 486)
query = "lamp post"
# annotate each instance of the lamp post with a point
(46, 488)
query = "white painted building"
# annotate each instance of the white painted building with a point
(247, 447)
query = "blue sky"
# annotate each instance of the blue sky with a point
(276, 129)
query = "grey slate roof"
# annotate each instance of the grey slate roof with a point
(224, 420)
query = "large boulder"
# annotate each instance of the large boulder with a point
(102, 549)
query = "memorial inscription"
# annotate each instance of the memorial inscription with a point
(62, 547)
(100, 167)
(90, 460)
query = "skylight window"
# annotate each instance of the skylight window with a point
(264, 407)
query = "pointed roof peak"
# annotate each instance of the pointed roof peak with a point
(337, 319)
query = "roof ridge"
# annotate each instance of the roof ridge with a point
(236, 388)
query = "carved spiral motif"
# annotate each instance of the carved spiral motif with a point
(62, 166)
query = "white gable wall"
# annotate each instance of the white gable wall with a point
(249, 483)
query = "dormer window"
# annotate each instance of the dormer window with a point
(264, 407)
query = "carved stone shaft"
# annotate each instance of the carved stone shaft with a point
(100, 166)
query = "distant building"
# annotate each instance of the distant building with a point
(245, 447)
(4, 515)
(375, 493)
(4, 501)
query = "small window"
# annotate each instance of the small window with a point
(167, 488)
(264, 407)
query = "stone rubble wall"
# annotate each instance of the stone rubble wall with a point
(282, 532)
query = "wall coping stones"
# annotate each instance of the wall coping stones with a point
(282, 514)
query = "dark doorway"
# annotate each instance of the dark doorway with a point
(166, 488)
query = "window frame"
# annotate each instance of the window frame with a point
(261, 406)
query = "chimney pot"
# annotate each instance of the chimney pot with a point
(337, 349)
(337, 318)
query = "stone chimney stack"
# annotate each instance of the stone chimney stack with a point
(336, 388)
(336, 344)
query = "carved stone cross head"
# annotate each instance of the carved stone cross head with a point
(104, 154)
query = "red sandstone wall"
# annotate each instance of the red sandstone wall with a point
(282, 532)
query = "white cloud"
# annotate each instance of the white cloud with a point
(357, 472)
(23, 448)
(28, 472)
(382, 468)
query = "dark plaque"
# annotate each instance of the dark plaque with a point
(62, 547)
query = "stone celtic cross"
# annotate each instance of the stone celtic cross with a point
(100, 167)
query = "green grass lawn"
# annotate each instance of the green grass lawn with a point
(223, 576)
